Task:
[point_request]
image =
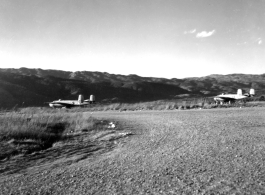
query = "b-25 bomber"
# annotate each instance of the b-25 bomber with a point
(233, 97)
(72, 103)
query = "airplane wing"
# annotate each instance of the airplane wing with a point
(70, 105)
(232, 98)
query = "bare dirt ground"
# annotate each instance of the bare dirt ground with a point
(217, 151)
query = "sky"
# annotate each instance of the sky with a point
(154, 38)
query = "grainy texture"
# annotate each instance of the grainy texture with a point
(219, 151)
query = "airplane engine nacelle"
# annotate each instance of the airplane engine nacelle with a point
(239, 92)
(252, 92)
(80, 99)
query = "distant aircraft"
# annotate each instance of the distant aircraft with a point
(72, 103)
(233, 97)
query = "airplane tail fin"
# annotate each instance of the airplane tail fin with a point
(239, 92)
(92, 98)
(80, 99)
(252, 92)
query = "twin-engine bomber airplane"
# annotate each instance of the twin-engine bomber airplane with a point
(72, 103)
(233, 97)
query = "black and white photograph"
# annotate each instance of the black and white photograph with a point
(115, 97)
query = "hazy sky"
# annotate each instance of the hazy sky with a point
(159, 38)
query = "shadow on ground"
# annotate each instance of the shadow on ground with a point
(72, 149)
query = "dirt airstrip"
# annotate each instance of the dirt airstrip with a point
(217, 151)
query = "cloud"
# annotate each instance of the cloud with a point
(204, 34)
(259, 40)
(190, 31)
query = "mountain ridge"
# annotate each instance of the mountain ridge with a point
(33, 87)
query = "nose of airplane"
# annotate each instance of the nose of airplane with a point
(50, 104)
(217, 99)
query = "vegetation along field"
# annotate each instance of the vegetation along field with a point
(197, 151)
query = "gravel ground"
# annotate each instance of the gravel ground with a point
(217, 151)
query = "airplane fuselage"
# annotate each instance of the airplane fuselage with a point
(230, 97)
(67, 104)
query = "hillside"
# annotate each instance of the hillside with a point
(34, 87)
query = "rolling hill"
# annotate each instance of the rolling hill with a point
(34, 87)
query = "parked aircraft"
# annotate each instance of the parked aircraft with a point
(72, 103)
(233, 97)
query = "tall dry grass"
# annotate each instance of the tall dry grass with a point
(43, 125)
(32, 129)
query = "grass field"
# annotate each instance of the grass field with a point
(32, 129)
(202, 103)
(207, 151)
